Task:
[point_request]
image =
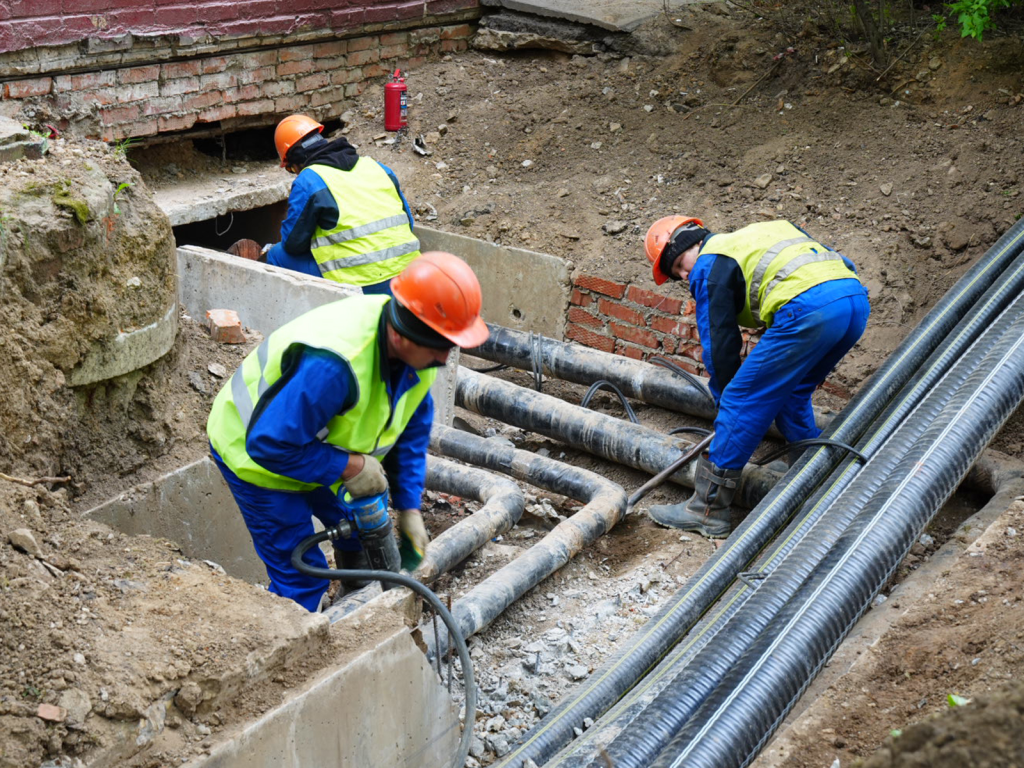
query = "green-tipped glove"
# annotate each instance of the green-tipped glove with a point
(414, 538)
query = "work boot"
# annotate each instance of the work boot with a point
(348, 560)
(707, 512)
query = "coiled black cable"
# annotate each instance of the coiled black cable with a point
(436, 605)
(807, 444)
(690, 431)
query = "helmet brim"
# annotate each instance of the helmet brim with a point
(473, 335)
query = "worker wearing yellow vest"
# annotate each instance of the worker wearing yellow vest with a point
(347, 219)
(768, 275)
(339, 400)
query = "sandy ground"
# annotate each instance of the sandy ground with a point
(913, 176)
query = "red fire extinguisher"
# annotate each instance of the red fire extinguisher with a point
(396, 103)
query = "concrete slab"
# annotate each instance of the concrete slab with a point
(614, 15)
(522, 289)
(207, 198)
(128, 351)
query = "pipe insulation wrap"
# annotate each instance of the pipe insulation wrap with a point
(606, 685)
(502, 507)
(606, 503)
(747, 615)
(732, 725)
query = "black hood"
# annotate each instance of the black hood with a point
(337, 154)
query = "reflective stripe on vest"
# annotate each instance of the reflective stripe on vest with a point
(364, 247)
(792, 263)
(371, 425)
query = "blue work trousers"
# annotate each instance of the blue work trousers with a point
(306, 264)
(277, 522)
(806, 341)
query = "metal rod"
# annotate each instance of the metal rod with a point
(448, 655)
(436, 641)
(671, 469)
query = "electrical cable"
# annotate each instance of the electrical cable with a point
(605, 384)
(435, 604)
(488, 369)
(537, 359)
(807, 444)
(668, 364)
(690, 431)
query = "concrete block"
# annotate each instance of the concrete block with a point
(225, 326)
(522, 289)
(128, 351)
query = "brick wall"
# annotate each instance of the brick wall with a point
(28, 24)
(226, 87)
(636, 322)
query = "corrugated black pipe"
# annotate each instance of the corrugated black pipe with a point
(693, 680)
(619, 673)
(606, 503)
(502, 507)
(733, 724)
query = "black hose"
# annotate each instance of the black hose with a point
(488, 369)
(435, 604)
(699, 385)
(807, 444)
(606, 685)
(604, 384)
(690, 430)
(755, 695)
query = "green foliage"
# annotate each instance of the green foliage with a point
(121, 147)
(895, 733)
(117, 193)
(956, 701)
(975, 16)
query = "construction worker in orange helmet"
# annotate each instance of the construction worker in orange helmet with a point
(769, 275)
(347, 218)
(338, 400)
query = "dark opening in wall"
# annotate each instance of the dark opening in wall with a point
(250, 145)
(260, 224)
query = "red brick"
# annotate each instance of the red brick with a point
(394, 38)
(669, 345)
(225, 326)
(256, 60)
(147, 127)
(202, 100)
(600, 285)
(396, 12)
(91, 80)
(138, 74)
(327, 96)
(223, 112)
(375, 70)
(120, 114)
(211, 13)
(686, 365)
(627, 351)
(296, 53)
(577, 315)
(264, 9)
(177, 16)
(180, 123)
(677, 328)
(260, 75)
(692, 351)
(218, 81)
(414, 61)
(458, 31)
(312, 82)
(137, 92)
(363, 44)
(103, 97)
(165, 105)
(214, 64)
(358, 58)
(34, 8)
(579, 298)
(301, 6)
(130, 19)
(328, 50)
(290, 103)
(619, 312)
(589, 338)
(347, 19)
(689, 308)
(635, 335)
(179, 85)
(836, 389)
(393, 51)
(343, 76)
(243, 93)
(274, 88)
(295, 68)
(255, 107)
(180, 69)
(454, 46)
(654, 300)
(450, 6)
(354, 89)
(21, 89)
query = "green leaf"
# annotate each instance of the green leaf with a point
(957, 701)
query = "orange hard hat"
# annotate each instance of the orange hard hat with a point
(441, 291)
(292, 130)
(659, 235)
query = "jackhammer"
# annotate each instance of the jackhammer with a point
(368, 515)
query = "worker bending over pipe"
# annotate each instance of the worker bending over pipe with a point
(325, 399)
(347, 218)
(770, 275)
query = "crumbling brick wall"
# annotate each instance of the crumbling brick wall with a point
(118, 69)
(638, 323)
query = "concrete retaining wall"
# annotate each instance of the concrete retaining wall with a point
(522, 289)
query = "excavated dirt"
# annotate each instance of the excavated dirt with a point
(913, 174)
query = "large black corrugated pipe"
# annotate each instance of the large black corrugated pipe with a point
(502, 507)
(692, 679)
(619, 673)
(606, 503)
(614, 439)
(733, 724)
